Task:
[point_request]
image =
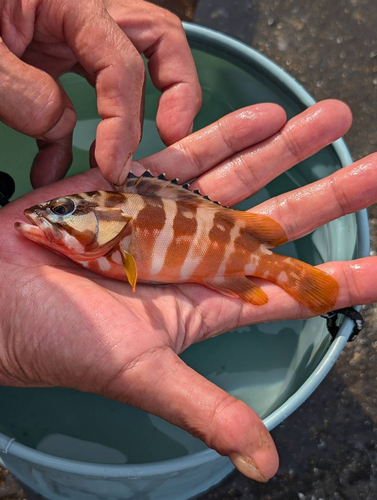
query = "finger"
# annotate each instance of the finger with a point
(243, 175)
(172, 70)
(103, 49)
(346, 191)
(167, 387)
(171, 66)
(52, 162)
(43, 110)
(206, 148)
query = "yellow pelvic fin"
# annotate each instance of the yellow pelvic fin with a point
(129, 265)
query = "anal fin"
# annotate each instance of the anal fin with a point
(240, 287)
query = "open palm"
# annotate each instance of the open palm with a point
(65, 326)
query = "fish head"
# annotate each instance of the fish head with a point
(80, 226)
(66, 224)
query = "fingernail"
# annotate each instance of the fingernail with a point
(126, 169)
(248, 468)
(64, 126)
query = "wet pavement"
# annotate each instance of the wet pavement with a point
(328, 448)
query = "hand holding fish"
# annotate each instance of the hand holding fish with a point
(101, 40)
(66, 326)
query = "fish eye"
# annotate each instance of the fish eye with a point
(62, 206)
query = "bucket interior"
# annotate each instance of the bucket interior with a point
(262, 365)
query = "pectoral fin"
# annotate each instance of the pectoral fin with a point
(239, 287)
(129, 265)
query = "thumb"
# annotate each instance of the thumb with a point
(167, 387)
(31, 101)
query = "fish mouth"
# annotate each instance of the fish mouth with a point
(40, 229)
(31, 216)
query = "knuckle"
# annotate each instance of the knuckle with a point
(247, 173)
(226, 137)
(226, 410)
(174, 20)
(344, 204)
(190, 155)
(292, 144)
(352, 290)
(170, 19)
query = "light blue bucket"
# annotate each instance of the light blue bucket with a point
(273, 367)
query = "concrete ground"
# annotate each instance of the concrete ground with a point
(328, 448)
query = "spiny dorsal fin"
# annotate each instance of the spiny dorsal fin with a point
(148, 185)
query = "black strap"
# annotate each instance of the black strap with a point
(351, 313)
(7, 188)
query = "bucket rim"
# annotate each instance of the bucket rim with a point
(234, 50)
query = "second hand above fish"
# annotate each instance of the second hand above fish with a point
(156, 231)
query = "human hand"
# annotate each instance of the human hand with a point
(64, 326)
(100, 39)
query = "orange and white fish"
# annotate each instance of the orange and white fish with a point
(156, 231)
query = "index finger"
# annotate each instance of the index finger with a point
(159, 35)
(104, 50)
(172, 70)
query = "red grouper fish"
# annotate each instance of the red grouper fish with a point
(156, 231)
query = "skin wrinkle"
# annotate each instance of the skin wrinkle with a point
(179, 344)
(94, 370)
(16, 34)
(151, 49)
(191, 157)
(89, 328)
(195, 317)
(292, 144)
(92, 367)
(226, 137)
(132, 365)
(337, 192)
(246, 174)
(212, 330)
(350, 284)
(217, 418)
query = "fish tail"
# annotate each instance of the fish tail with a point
(308, 285)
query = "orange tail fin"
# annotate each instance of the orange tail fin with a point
(311, 287)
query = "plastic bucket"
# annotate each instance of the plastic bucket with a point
(49, 434)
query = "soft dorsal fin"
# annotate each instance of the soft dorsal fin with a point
(148, 185)
(259, 226)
